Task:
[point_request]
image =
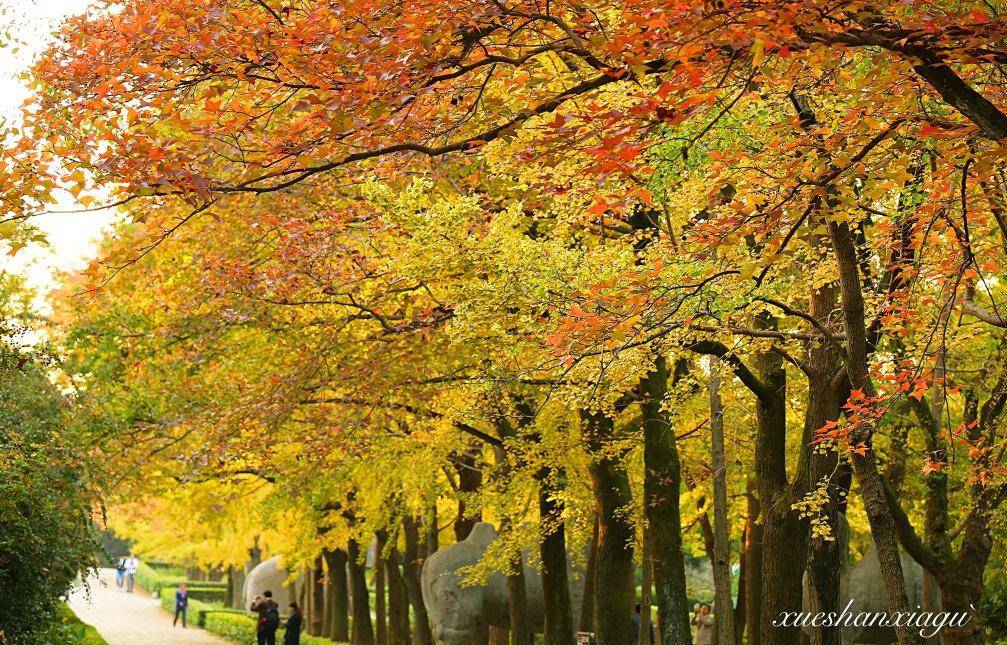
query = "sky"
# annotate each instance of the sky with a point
(71, 236)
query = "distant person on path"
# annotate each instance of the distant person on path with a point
(181, 604)
(131, 565)
(269, 618)
(634, 625)
(293, 634)
(120, 572)
(703, 621)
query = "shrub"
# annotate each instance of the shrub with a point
(195, 606)
(154, 580)
(235, 626)
(70, 630)
(213, 596)
(46, 535)
(240, 627)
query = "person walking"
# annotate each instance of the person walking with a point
(703, 620)
(131, 566)
(181, 604)
(120, 573)
(635, 620)
(292, 636)
(269, 618)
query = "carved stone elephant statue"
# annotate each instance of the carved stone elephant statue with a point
(457, 612)
(268, 575)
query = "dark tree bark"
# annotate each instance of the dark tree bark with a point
(864, 465)
(398, 601)
(662, 481)
(363, 630)
(783, 530)
(380, 609)
(646, 589)
(517, 593)
(739, 607)
(826, 557)
(613, 600)
(721, 553)
(470, 478)
(339, 597)
(431, 538)
(317, 598)
(411, 567)
(587, 604)
(559, 629)
(753, 565)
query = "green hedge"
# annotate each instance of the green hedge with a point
(154, 581)
(240, 627)
(213, 596)
(195, 606)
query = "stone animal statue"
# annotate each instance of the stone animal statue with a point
(458, 612)
(268, 575)
(862, 583)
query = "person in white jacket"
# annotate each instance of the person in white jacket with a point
(131, 565)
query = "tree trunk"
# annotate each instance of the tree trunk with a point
(517, 605)
(662, 481)
(517, 593)
(739, 606)
(339, 598)
(398, 601)
(470, 478)
(646, 589)
(864, 466)
(411, 567)
(721, 531)
(753, 566)
(431, 541)
(613, 600)
(317, 598)
(587, 603)
(783, 530)
(380, 606)
(363, 631)
(962, 581)
(559, 628)
(826, 558)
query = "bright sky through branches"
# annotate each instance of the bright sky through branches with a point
(71, 236)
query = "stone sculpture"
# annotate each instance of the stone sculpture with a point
(458, 612)
(268, 575)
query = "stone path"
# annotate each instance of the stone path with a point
(131, 619)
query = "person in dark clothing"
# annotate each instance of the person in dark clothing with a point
(634, 626)
(181, 604)
(293, 634)
(269, 618)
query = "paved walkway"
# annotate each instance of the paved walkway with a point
(132, 619)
